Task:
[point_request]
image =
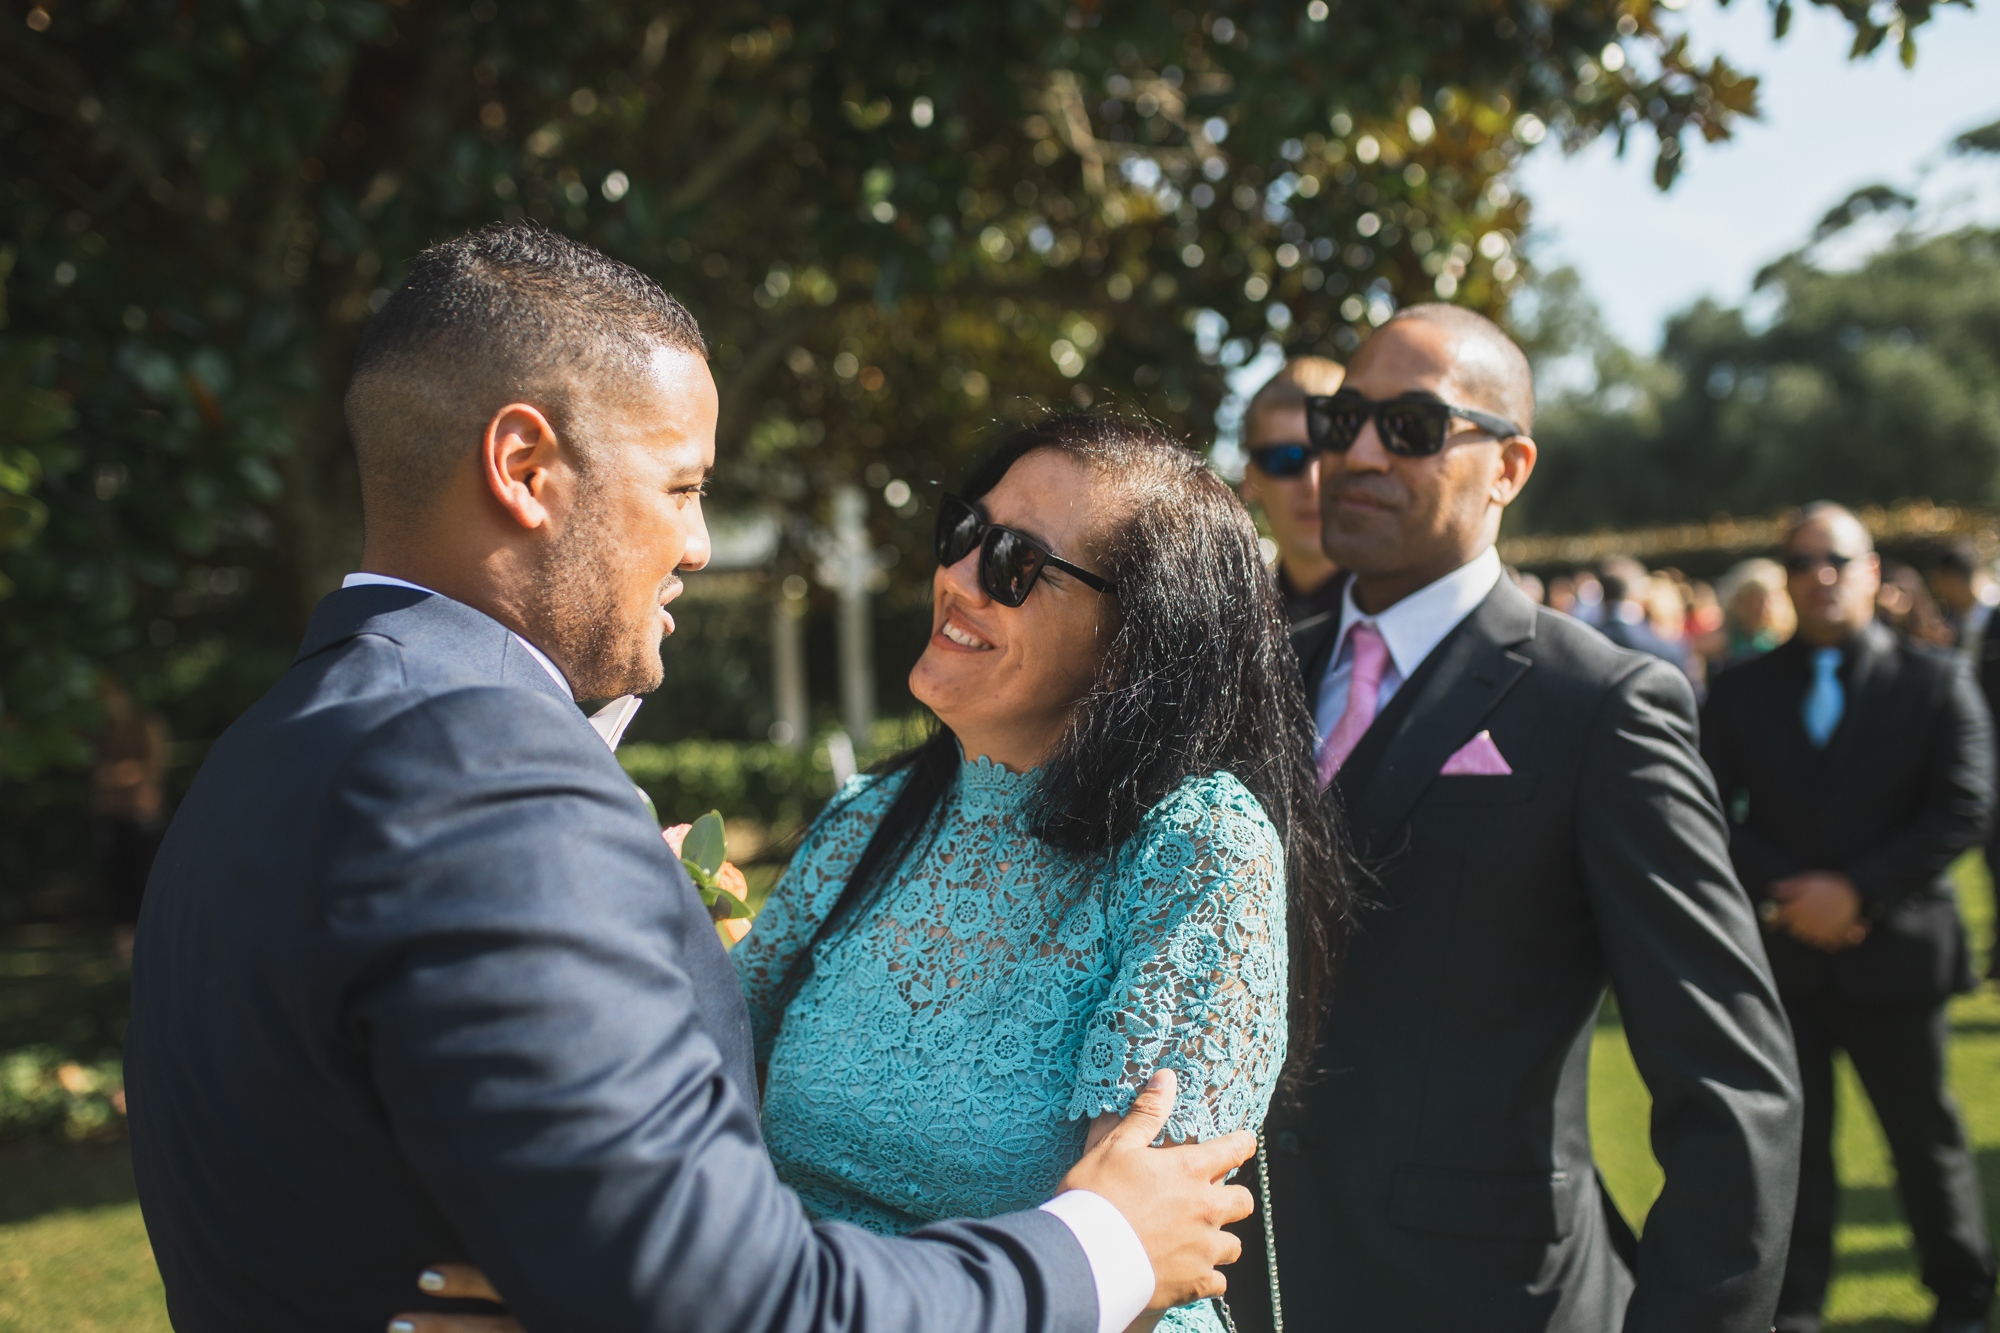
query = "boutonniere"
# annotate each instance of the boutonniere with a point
(703, 851)
(701, 846)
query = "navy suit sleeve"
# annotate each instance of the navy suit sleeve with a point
(1700, 1010)
(1952, 812)
(513, 936)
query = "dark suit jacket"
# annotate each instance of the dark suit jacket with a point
(1903, 787)
(1438, 1174)
(418, 980)
(1988, 672)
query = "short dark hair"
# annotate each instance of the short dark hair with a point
(1618, 576)
(1960, 558)
(510, 313)
(1501, 381)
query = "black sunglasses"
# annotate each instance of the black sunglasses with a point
(1414, 425)
(1009, 562)
(1806, 564)
(1282, 460)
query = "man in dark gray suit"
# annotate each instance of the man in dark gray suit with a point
(1857, 767)
(1540, 824)
(417, 979)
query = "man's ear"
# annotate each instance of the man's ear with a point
(518, 460)
(1517, 462)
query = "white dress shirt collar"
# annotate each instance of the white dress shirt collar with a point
(1417, 624)
(366, 580)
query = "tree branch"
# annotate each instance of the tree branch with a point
(751, 136)
(759, 361)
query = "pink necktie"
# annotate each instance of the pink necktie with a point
(1371, 660)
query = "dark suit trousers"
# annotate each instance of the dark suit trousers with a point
(1899, 1053)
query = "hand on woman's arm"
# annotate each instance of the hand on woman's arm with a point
(1099, 1129)
(1175, 1199)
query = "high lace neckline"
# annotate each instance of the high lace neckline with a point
(985, 783)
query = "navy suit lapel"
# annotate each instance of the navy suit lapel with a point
(436, 628)
(1437, 711)
(518, 667)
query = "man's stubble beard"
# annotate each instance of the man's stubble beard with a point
(575, 615)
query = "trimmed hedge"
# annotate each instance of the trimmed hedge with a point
(45, 1093)
(769, 784)
(749, 780)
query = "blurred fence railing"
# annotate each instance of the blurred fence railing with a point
(1905, 521)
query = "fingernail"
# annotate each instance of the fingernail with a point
(431, 1280)
(401, 1326)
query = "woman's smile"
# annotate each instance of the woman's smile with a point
(1044, 652)
(954, 632)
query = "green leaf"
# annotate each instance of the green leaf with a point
(21, 517)
(705, 846)
(725, 906)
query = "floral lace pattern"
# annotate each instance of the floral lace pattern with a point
(949, 1049)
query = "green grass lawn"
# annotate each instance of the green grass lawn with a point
(1875, 1285)
(73, 1251)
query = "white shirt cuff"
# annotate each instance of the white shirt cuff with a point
(1118, 1262)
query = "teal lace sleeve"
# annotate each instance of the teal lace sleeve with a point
(1197, 917)
(803, 897)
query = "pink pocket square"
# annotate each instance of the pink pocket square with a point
(1479, 757)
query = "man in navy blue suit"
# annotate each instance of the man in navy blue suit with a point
(417, 979)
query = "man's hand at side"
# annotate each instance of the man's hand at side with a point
(1820, 909)
(1175, 1198)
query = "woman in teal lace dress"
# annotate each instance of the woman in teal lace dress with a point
(1111, 859)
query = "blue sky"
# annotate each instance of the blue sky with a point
(1829, 126)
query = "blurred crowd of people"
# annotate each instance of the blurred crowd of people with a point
(1941, 602)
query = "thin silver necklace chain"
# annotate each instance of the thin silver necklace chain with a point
(1270, 1249)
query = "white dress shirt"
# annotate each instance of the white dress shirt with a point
(1118, 1262)
(1119, 1267)
(365, 580)
(1411, 629)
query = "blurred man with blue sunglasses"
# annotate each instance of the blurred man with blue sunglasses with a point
(1282, 479)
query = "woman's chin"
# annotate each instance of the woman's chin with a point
(942, 681)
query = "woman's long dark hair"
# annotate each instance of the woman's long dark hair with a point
(1199, 678)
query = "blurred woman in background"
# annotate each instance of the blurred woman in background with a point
(1756, 611)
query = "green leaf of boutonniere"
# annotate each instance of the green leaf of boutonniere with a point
(705, 849)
